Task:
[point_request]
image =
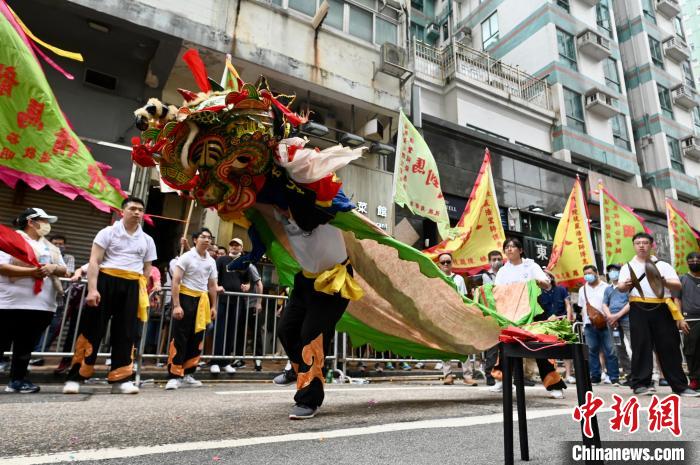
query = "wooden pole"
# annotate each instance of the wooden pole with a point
(187, 224)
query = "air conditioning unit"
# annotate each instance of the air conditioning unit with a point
(668, 8)
(594, 45)
(691, 147)
(464, 36)
(685, 96)
(432, 32)
(676, 49)
(394, 60)
(601, 104)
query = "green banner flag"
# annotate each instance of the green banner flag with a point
(683, 238)
(619, 224)
(37, 145)
(416, 178)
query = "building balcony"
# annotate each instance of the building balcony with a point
(668, 8)
(685, 97)
(456, 60)
(676, 49)
(691, 148)
(601, 104)
(594, 45)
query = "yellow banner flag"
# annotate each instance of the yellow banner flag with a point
(479, 230)
(416, 178)
(572, 248)
(683, 238)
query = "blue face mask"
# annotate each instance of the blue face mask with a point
(590, 278)
(614, 275)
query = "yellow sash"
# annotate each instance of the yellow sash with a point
(675, 311)
(203, 317)
(142, 313)
(335, 280)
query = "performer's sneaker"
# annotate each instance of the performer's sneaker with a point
(689, 393)
(127, 387)
(173, 383)
(556, 394)
(498, 387)
(285, 378)
(25, 387)
(302, 412)
(570, 380)
(71, 387)
(230, 369)
(214, 369)
(641, 390)
(189, 381)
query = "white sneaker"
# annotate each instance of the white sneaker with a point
(173, 383)
(71, 387)
(108, 362)
(438, 366)
(570, 380)
(420, 365)
(126, 387)
(189, 380)
(498, 387)
(606, 379)
(556, 394)
(229, 369)
(214, 369)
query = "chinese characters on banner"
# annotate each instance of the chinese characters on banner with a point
(683, 238)
(572, 247)
(381, 212)
(664, 414)
(37, 143)
(619, 224)
(479, 230)
(416, 179)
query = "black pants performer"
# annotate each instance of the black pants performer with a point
(21, 329)
(652, 328)
(185, 345)
(119, 300)
(691, 348)
(306, 330)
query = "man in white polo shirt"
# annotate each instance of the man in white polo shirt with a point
(194, 306)
(120, 259)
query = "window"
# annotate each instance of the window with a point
(564, 5)
(417, 5)
(648, 7)
(567, 49)
(335, 14)
(574, 110)
(360, 24)
(417, 31)
(305, 6)
(678, 26)
(696, 119)
(674, 150)
(688, 74)
(657, 55)
(384, 31)
(602, 12)
(665, 101)
(612, 79)
(619, 130)
(489, 30)
(445, 31)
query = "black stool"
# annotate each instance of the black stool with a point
(513, 355)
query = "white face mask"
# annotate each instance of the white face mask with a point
(44, 229)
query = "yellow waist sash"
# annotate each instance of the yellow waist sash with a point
(203, 317)
(675, 311)
(335, 280)
(142, 313)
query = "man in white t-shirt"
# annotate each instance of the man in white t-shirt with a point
(194, 305)
(652, 325)
(120, 260)
(593, 293)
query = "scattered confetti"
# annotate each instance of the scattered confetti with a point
(371, 402)
(216, 458)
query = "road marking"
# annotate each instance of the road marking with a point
(360, 388)
(118, 453)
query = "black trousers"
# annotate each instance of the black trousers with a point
(691, 349)
(119, 301)
(305, 331)
(185, 345)
(227, 315)
(490, 360)
(21, 329)
(652, 328)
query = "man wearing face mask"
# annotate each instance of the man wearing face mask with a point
(592, 293)
(616, 304)
(60, 242)
(689, 299)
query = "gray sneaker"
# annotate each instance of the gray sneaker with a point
(689, 393)
(285, 378)
(641, 390)
(302, 412)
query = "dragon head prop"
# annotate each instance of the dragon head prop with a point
(219, 144)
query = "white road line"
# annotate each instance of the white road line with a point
(117, 453)
(360, 388)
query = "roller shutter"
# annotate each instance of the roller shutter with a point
(78, 220)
